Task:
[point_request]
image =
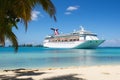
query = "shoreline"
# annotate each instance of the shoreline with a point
(59, 67)
(102, 72)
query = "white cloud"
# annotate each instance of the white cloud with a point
(72, 8)
(112, 43)
(35, 15)
(67, 13)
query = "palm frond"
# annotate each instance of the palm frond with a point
(12, 37)
(48, 7)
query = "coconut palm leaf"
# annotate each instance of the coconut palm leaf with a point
(6, 33)
(12, 10)
(11, 36)
(49, 8)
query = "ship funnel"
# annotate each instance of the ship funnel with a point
(55, 31)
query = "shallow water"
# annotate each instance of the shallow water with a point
(36, 57)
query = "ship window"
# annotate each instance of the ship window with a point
(77, 39)
(65, 40)
(70, 39)
(74, 39)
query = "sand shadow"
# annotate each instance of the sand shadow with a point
(29, 73)
(15, 69)
(4, 77)
(19, 73)
(66, 77)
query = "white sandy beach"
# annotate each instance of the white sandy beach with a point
(71, 73)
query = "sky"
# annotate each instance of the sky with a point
(98, 16)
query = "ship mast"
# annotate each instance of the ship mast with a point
(82, 29)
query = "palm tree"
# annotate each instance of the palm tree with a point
(6, 33)
(13, 11)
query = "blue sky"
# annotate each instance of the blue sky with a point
(98, 16)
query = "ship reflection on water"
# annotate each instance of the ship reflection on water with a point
(74, 57)
(82, 57)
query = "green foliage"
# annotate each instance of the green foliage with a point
(14, 11)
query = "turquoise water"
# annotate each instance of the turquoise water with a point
(36, 57)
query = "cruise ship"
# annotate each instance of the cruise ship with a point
(80, 39)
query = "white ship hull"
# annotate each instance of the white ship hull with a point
(76, 44)
(77, 39)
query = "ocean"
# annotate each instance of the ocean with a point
(39, 57)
